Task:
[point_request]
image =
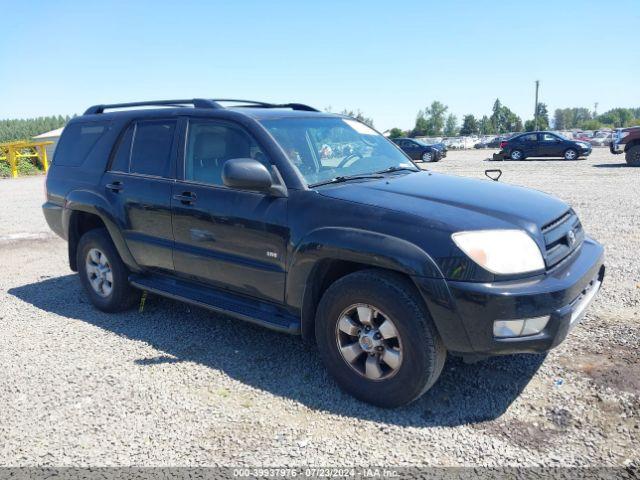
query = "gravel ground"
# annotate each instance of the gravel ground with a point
(175, 385)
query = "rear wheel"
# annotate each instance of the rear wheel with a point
(517, 155)
(377, 340)
(103, 274)
(570, 154)
(633, 156)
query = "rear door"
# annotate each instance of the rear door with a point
(550, 145)
(229, 238)
(138, 185)
(529, 144)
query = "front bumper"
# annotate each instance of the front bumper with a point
(464, 313)
(585, 152)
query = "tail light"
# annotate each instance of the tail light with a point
(503, 144)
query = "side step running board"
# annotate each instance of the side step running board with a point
(261, 313)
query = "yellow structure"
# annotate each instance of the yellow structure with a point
(12, 151)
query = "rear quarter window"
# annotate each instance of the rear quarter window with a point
(77, 141)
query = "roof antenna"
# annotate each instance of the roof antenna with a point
(493, 174)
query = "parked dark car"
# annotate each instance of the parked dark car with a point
(543, 144)
(243, 210)
(419, 151)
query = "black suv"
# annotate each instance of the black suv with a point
(543, 144)
(417, 150)
(314, 224)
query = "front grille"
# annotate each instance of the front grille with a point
(562, 237)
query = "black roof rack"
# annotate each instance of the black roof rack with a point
(258, 104)
(198, 103)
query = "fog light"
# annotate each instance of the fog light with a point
(519, 328)
(507, 328)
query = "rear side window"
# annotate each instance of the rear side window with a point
(77, 141)
(532, 137)
(145, 148)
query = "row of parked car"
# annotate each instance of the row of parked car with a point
(519, 146)
(598, 138)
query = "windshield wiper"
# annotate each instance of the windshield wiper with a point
(346, 178)
(396, 168)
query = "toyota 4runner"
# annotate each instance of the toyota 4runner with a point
(314, 224)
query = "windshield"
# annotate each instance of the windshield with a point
(323, 149)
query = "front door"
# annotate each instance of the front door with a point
(412, 149)
(550, 145)
(138, 185)
(230, 238)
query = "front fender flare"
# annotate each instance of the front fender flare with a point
(352, 245)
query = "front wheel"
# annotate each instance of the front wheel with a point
(633, 156)
(570, 154)
(103, 274)
(377, 340)
(427, 157)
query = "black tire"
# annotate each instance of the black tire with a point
(633, 156)
(571, 154)
(122, 296)
(423, 353)
(516, 155)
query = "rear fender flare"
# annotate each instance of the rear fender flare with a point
(90, 202)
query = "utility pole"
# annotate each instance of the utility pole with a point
(535, 112)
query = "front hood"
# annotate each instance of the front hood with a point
(454, 203)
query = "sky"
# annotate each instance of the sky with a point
(388, 59)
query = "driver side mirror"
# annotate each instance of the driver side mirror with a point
(249, 174)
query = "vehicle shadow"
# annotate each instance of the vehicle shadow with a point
(283, 364)
(611, 165)
(535, 159)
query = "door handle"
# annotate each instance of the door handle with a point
(115, 186)
(186, 198)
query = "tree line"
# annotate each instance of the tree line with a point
(434, 121)
(26, 128)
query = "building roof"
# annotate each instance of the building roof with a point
(53, 133)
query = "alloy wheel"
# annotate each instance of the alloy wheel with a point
(369, 342)
(99, 272)
(427, 157)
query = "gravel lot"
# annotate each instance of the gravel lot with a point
(176, 385)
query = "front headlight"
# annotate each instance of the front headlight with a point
(503, 252)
